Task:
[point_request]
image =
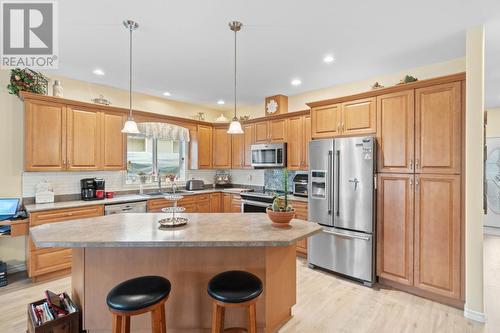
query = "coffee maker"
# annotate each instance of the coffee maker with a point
(92, 188)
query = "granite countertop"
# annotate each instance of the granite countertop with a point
(130, 198)
(141, 230)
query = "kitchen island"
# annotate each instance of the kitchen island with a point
(110, 249)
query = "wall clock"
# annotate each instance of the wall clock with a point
(276, 104)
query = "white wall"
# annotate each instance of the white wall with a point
(493, 128)
(474, 215)
(298, 102)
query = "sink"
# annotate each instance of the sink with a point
(155, 194)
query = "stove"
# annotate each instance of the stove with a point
(257, 202)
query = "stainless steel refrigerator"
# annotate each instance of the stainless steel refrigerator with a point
(342, 200)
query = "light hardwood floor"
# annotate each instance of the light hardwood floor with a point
(325, 303)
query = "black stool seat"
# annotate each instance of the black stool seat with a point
(234, 287)
(138, 293)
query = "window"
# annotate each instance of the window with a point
(148, 157)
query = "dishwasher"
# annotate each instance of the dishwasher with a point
(131, 207)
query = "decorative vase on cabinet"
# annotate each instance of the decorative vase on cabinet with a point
(57, 89)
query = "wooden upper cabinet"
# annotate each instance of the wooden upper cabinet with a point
(438, 114)
(113, 141)
(249, 140)
(237, 150)
(325, 121)
(221, 148)
(395, 132)
(395, 222)
(359, 117)
(45, 136)
(262, 132)
(438, 234)
(83, 139)
(307, 139)
(204, 146)
(295, 143)
(277, 130)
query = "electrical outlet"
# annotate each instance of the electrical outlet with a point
(249, 177)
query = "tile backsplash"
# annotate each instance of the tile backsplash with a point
(273, 179)
(69, 182)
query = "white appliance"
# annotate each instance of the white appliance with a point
(130, 207)
(492, 177)
(269, 155)
(341, 200)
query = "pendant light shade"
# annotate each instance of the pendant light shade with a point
(130, 126)
(235, 125)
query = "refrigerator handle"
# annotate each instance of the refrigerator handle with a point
(337, 185)
(329, 182)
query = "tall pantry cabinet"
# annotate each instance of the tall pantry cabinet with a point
(419, 222)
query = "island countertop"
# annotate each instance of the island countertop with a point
(141, 230)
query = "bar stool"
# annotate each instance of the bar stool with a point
(234, 289)
(137, 296)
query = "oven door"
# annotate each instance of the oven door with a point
(248, 206)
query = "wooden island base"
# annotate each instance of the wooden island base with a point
(188, 309)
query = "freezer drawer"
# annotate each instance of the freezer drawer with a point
(345, 252)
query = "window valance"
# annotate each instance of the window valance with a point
(164, 131)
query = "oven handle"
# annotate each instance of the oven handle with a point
(255, 203)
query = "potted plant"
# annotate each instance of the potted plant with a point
(281, 212)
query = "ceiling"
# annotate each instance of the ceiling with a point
(186, 47)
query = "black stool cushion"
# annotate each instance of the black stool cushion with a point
(234, 287)
(138, 293)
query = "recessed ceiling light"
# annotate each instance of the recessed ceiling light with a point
(221, 102)
(328, 59)
(166, 93)
(98, 71)
(296, 82)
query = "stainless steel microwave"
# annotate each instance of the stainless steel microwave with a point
(269, 155)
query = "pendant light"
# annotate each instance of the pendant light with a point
(235, 125)
(130, 126)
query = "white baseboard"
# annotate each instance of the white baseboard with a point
(491, 231)
(480, 317)
(16, 268)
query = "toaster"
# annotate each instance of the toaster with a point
(195, 184)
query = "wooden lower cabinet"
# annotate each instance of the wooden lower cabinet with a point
(438, 234)
(47, 263)
(226, 202)
(215, 202)
(197, 203)
(395, 227)
(301, 213)
(235, 203)
(419, 234)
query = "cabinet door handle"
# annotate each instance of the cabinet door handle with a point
(338, 127)
(411, 184)
(417, 164)
(411, 164)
